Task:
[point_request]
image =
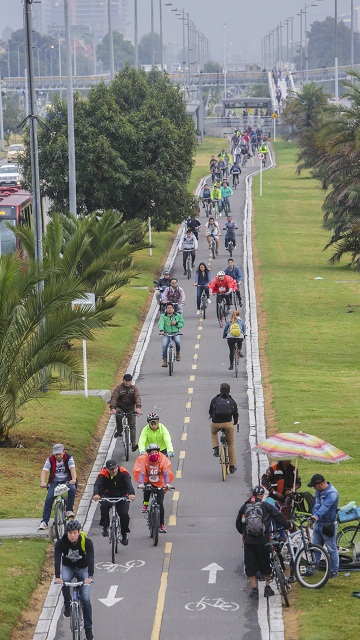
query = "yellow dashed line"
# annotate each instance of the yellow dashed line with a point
(155, 634)
(178, 473)
(197, 346)
(200, 328)
(188, 405)
(182, 455)
(198, 337)
(190, 390)
(186, 420)
(194, 366)
(168, 547)
(195, 356)
(172, 521)
(184, 436)
(191, 378)
(176, 495)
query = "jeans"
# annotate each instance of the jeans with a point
(321, 539)
(199, 289)
(80, 573)
(185, 255)
(131, 421)
(230, 236)
(226, 201)
(50, 499)
(166, 340)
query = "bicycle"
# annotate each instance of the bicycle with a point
(236, 359)
(213, 245)
(152, 514)
(222, 310)
(60, 508)
(217, 213)
(236, 180)
(125, 434)
(171, 351)
(346, 539)
(230, 247)
(224, 456)
(207, 207)
(188, 264)
(226, 205)
(114, 528)
(203, 303)
(277, 569)
(76, 610)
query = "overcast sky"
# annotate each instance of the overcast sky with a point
(246, 21)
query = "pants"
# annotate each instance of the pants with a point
(256, 559)
(185, 254)
(50, 499)
(230, 236)
(235, 175)
(131, 421)
(166, 341)
(199, 290)
(160, 499)
(227, 296)
(226, 201)
(229, 435)
(80, 573)
(231, 343)
(321, 539)
(123, 510)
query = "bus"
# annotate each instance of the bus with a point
(16, 209)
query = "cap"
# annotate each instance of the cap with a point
(166, 272)
(316, 479)
(111, 464)
(127, 376)
(58, 448)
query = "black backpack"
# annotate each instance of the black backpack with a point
(254, 520)
(223, 407)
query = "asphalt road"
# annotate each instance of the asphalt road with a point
(192, 585)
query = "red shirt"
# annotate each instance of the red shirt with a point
(227, 283)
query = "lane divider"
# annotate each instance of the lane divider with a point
(155, 634)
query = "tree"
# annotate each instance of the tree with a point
(124, 52)
(321, 44)
(212, 67)
(146, 48)
(11, 112)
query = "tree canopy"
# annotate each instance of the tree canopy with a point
(124, 52)
(145, 49)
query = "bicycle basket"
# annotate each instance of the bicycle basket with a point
(60, 490)
(346, 515)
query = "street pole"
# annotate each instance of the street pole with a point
(161, 37)
(70, 108)
(224, 28)
(184, 60)
(60, 69)
(188, 47)
(1, 123)
(292, 40)
(352, 35)
(152, 35)
(306, 50)
(336, 59)
(287, 44)
(111, 42)
(136, 36)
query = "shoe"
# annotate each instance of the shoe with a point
(89, 634)
(105, 532)
(310, 571)
(231, 367)
(116, 434)
(216, 253)
(241, 354)
(163, 529)
(43, 525)
(233, 468)
(254, 593)
(334, 575)
(70, 514)
(178, 357)
(164, 362)
(209, 301)
(268, 592)
(216, 453)
(144, 508)
(67, 611)
(134, 447)
(184, 273)
(198, 312)
(124, 540)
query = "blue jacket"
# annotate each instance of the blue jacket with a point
(326, 504)
(226, 332)
(235, 273)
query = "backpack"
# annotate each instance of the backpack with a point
(235, 330)
(254, 520)
(223, 407)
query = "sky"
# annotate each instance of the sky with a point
(247, 21)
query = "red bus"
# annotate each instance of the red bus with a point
(16, 209)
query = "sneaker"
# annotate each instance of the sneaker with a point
(117, 434)
(209, 301)
(268, 592)
(254, 593)
(334, 575)
(144, 508)
(89, 634)
(233, 468)
(134, 447)
(67, 611)
(124, 540)
(241, 354)
(216, 453)
(216, 253)
(178, 357)
(164, 362)
(105, 532)
(184, 273)
(231, 367)
(43, 525)
(70, 514)
(198, 312)
(163, 529)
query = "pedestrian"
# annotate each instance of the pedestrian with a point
(114, 482)
(278, 479)
(253, 523)
(324, 515)
(59, 468)
(224, 414)
(126, 399)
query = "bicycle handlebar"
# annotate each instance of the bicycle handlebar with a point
(115, 500)
(125, 413)
(150, 487)
(171, 335)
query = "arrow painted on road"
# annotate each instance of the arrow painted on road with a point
(212, 568)
(111, 599)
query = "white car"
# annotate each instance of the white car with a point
(10, 175)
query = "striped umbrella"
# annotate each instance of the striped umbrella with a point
(293, 445)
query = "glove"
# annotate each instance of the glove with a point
(141, 486)
(168, 486)
(170, 454)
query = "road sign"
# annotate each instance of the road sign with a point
(274, 115)
(261, 156)
(348, 77)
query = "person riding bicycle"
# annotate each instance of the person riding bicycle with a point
(212, 229)
(154, 468)
(126, 398)
(234, 331)
(235, 171)
(175, 295)
(59, 468)
(222, 166)
(161, 285)
(114, 482)
(155, 431)
(212, 163)
(226, 193)
(235, 274)
(216, 195)
(170, 322)
(223, 286)
(202, 280)
(194, 225)
(264, 149)
(224, 414)
(74, 558)
(206, 196)
(230, 226)
(253, 523)
(278, 479)
(188, 243)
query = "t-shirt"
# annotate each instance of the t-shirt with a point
(60, 473)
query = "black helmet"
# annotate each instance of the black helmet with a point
(73, 525)
(152, 447)
(258, 490)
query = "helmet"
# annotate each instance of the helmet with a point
(152, 416)
(152, 447)
(166, 272)
(258, 490)
(73, 525)
(221, 273)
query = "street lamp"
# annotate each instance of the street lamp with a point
(18, 58)
(136, 36)
(224, 43)
(336, 59)
(38, 56)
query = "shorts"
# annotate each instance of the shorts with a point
(256, 558)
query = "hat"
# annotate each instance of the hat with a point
(315, 479)
(127, 376)
(111, 464)
(58, 448)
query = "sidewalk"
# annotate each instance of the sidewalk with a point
(22, 528)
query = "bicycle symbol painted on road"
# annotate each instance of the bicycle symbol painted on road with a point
(218, 603)
(123, 568)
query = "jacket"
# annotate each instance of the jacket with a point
(52, 461)
(269, 511)
(226, 332)
(158, 473)
(215, 194)
(113, 486)
(80, 554)
(226, 192)
(277, 478)
(126, 398)
(234, 273)
(219, 419)
(189, 243)
(176, 296)
(165, 325)
(326, 504)
(161, 437)
(226, 285)
(202, 277)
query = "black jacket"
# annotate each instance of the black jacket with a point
(80, 554)
(219, 419)
(269, 512)
(113, 486)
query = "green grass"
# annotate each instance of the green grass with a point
(312, 353)
(210, 146)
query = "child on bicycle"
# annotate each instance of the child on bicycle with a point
(170, 323)
(114, 482)
(74, 556)
(153, 467)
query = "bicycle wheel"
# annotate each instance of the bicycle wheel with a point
(223, 462)
(156, 525)
(346, 538)
(213, 245)
(126, 441)
(312, 566)
(230, 248)
(75, 621)
(220, 312)
(236, 361)
(170, 359)
(114, 541)
(188, 268)
(59, 520)
(280, 579)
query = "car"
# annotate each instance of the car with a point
(9, 175)
(15, 150)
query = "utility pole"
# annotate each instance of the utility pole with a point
(136, 37)
(70, 108)
(152, 35)
(111, 42)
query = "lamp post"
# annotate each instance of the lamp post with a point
(70, 106)
(306, 43)
(152, 34)
(352, 35)
(111, 42)
(18, 58)
(38, 57)
(136, 35)
(336, 59)
(224, 30)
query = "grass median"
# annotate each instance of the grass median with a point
(310, 358)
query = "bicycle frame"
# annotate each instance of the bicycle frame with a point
(114, 521)
(125, 437)
(224, 456)
(60, 508)
(170, 352)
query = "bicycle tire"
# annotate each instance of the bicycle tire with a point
(236, 362)
(114, 541)
(223, 462)
(230, 248)
(156, 525)
(213, 245)
(220, 312)
(188, 269)
(126, 432)
(59, 520)
(223, 314)
(170, 359)
(280, 579)
(346, 539)
(319, 570)
(75, 622)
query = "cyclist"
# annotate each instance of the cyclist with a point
(188, 243)
(206, 196)
(170, 322)
(212, 229)
(265, 150)
(161, 285)
(223, 285)
(194, 225)
(230, 226)
(74, 557)
(226, 193)
(235, 171)
(175, 295)
(155, 468)
(59, 468)
(224, 414)
(155, 431)
(216, 195)
(114, 482)
(235, 274)
(212, 163)
(234, 331)
(202, 281)
(222, 166)
(126, 398)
